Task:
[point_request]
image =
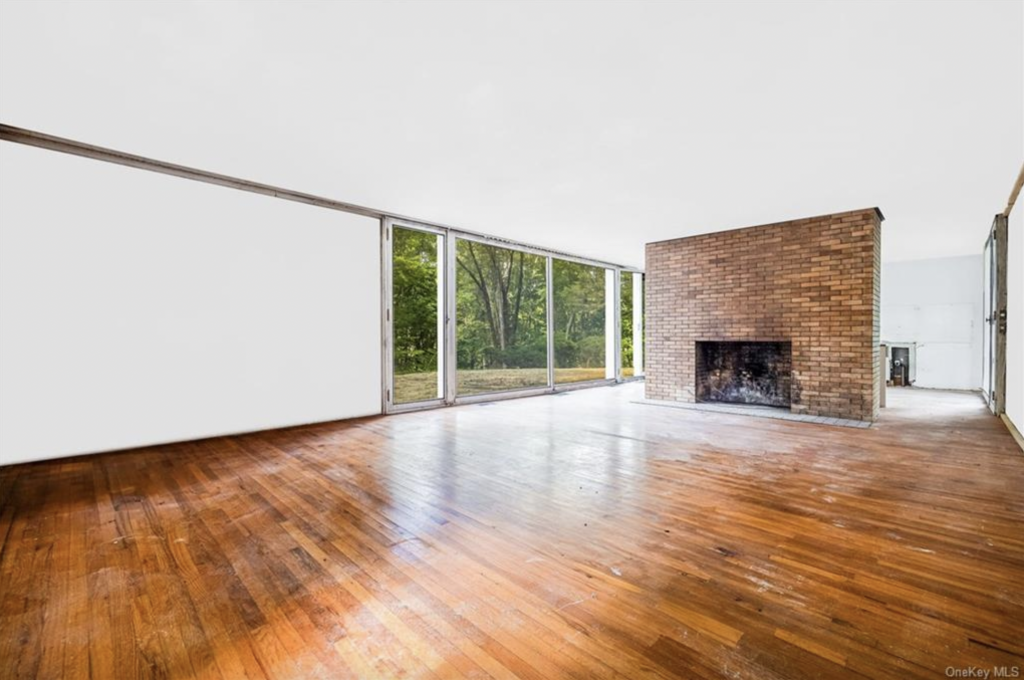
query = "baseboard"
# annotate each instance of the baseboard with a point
(1013, 431)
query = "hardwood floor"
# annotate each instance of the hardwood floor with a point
(572, 536)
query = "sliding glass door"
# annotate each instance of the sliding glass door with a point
(467, 317)
(417, 315)
(626, 324)
(501, 319)
(579, 297)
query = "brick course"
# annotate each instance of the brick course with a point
(814, 282)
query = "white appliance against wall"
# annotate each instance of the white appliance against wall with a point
(911, 348)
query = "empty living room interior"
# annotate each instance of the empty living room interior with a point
(511, 340)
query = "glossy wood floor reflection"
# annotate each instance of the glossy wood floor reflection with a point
(577, 536)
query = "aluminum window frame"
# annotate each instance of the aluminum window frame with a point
(637, 315)
(451, 397)
(388, 225)
(531, 390)
(611, 307)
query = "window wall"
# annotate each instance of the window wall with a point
(626, 323)
(639, 322)
(579, 299)
(501, 312)
(631, 324)
(468, 317)
(417, 332)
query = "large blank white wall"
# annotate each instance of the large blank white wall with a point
(138, 308)
(1015, 317)
(937, 304)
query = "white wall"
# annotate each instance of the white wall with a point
(1015, 317)
(937, 304)
(138, 308)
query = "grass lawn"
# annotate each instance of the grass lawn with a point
(423, 386)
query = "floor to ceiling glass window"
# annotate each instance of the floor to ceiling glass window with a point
(579, 297)
(468, 317)
(501, 319)
(626, 322)
(417, 293)
(640, 322)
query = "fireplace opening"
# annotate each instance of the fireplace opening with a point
(745, 372)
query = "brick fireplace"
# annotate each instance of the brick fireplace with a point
(781, 315)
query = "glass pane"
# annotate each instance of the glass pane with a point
(501, 319)
(416, 288)
(579, 306)
(626, 323)
(643, 321)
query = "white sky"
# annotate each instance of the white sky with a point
(588, 127)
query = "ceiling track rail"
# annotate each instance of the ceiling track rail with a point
(70, 146)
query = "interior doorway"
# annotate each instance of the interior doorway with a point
(899, 367)
(994, 311)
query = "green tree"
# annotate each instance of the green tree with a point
(626, 282)
(414, 288)
(579, 305)
(501, 302)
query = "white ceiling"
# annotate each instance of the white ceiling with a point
(588, 127)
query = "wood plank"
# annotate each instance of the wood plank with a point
(576, 536)
(810, 646)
